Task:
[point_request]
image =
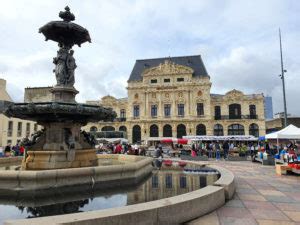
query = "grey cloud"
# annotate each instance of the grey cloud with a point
(237, 40)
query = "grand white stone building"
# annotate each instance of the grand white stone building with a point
(171, 97)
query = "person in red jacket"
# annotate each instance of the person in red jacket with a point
(22, 149)
(118, 149)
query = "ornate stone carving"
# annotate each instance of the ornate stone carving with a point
(168, 68)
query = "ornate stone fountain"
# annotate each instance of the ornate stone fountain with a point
(61, 144)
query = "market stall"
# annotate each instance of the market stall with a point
(287, 157)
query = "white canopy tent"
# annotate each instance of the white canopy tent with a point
(221, 138)
(289, 132)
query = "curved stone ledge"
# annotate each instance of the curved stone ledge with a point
(132, 170)
(174, 210)
(226, 181)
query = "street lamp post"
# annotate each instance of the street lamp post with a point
(283, 84)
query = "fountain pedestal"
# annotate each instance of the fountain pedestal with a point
(44, 160)
(63, 94)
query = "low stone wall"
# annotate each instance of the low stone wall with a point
(10, 161)
(136, 168)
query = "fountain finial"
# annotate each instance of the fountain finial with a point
(66, 15)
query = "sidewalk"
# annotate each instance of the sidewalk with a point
(262, 197)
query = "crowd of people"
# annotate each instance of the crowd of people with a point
(119, 148)
(16, 150)
(222, 149)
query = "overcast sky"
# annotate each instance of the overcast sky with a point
(238, 41)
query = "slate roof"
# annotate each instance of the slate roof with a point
(216, 95)
(194, 61)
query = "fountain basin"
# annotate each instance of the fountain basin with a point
(171, 210)
(123, 170)
(59, 112)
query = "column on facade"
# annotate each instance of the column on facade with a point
(160, 129)
(246, 128)
(189, 103)
(145, 132)
(174, 130)
(160, 104)
(146, 104)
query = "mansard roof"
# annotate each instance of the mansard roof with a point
(194, 61)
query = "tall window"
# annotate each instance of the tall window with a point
(202, 181)
(35, 127)
(218, 130)
(167, 131)
(27, 129)
(136, 111)
(136, 134)
(252, 111)
(167, 109)
(155, 181)
(235, 111)
(10, 128)
(180, 109)
(122, 113)
(169, 181)
(107, 128)
(217, 112)
(253, 130)
(181, 130)
(154, 131)
(182, 181)
(236, 129)
(93, 129)
(153, 110)
(19, 131)
(200, 129)
(200, 109)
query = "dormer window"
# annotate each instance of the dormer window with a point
(153, 81)
(180, 79)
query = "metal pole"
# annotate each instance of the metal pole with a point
(283, 84)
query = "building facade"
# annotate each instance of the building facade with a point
(13, 130)
(268, 108)
(170, 97)
(277, 124)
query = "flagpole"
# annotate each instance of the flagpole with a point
(283, 83)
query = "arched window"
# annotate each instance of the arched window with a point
(136, 134)
(235, 111)
(93, 129)
(236, 129)
(200, 129)
(181, 131)
(254, 130)
(154, 131)
(167, 130)
(123, 128)
(218, 130)
(108, 128)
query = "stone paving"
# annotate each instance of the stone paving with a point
(261, 197)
